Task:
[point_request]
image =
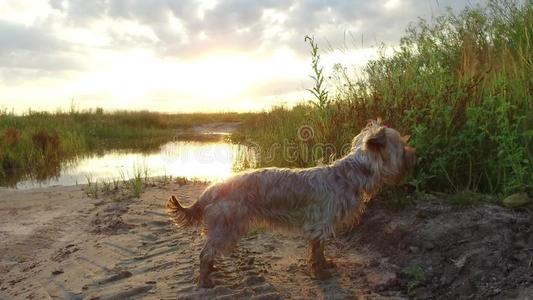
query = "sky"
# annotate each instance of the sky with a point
(187, 55)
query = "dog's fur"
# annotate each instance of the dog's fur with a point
(315, 200)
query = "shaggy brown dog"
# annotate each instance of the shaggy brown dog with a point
(316, 200)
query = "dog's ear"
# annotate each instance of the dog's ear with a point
(376, 139)
(406, 138)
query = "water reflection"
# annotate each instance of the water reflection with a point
(193, 160)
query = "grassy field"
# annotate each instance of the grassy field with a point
(460, 85)
(35, 143)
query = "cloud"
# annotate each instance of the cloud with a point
(29, 51)
(274, 87)
(185, 27)
(16, 37)
(192, 28)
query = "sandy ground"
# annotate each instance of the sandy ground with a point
(58, 243)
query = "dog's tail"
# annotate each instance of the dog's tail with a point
(184, 216)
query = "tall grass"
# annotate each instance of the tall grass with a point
(461, 85)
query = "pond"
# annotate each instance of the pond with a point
(206, 161)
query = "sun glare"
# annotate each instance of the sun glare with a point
(226, 79)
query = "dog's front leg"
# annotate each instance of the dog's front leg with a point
(317, 261)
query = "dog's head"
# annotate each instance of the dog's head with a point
(387, 151)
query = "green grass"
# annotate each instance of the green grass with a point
(415, 272)
(92, 189)
(128, 186)
(460, 85)
(137, 181)
(415, 275)
(35, 144)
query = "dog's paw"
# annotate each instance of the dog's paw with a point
(213, 268)
(329, 264)
(206, 283)
(322, 274)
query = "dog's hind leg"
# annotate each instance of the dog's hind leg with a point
(225, 223)
(317, 261)
(207, 257)
(218, 242)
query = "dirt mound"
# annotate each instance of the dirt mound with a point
(446, 251)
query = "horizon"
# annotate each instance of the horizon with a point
(225, 57)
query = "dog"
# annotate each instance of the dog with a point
(316, 201)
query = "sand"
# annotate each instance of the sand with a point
(58, 243)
